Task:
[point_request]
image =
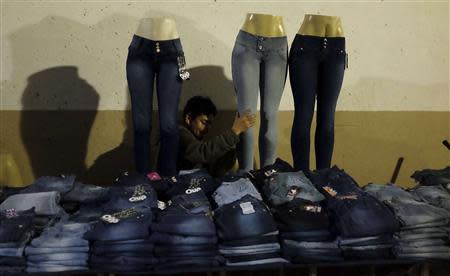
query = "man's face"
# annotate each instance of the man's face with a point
(199, 125)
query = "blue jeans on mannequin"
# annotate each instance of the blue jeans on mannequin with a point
(316, 68)
(259, 63)
(149, 60)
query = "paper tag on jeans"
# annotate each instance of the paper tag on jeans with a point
(247, 208)
(109, 219)
(292, 193)
(137, 198)
(11, 213)
(330, 190)
(314, 209)
(161, 205)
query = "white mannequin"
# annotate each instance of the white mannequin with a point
(157, 29)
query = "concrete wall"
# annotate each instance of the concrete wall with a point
(64, 97)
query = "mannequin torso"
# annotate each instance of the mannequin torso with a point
(158, 28)
(264, 25)
(321, 25)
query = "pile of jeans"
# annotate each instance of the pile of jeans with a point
(303, 223)
(364, 225)
(259, 177)
(16, 230)
(423, 233)
(59, 248)
(121, 237)
(246, 229)
(184, 233)
(430, 177)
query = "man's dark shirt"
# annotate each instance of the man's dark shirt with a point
(194, 153)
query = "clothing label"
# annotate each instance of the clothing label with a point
(184, 75)
(292, 193)
(191, 191)
(312, 208)
(348, 197)
(330, 190)
(247, 208)
(109, 219)
(270, 172)
(11, 213)
(161, 205)
(137, 198)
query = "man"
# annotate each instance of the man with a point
(218, 154)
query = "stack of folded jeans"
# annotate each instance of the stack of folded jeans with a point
(259, 177)
(44, 203)
(121, 236)
(121, 241)
(59, 248)
(16, 230)
(364, 224)
(184, 233)
(435, 195)
(429, 177)
(283, 187)
(247, 232)
(305, 232)
(423, 226)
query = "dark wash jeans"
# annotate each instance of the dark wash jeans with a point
(316, 70)
(149, 60)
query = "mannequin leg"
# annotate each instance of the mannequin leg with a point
(273, 78)
(303, 68)
(169, 90)
(245, 64)
(331, 75)
(140, 75)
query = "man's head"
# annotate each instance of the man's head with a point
(198, 115)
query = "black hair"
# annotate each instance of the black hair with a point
(199, 105)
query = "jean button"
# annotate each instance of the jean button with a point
(260, 47)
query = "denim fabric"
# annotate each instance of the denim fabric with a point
(306, 252)
(12, 251)
(316, 70)
(85, 193)
(125, 242)
(300, 215)
(16, 227)
(199, 262)
(366, 241)
(389, 192)
(368, 254)
(244, 218)
(188, 183)
(415, 237)
(422, 249)
(61, 184)
(163, 238)
(434, 195)
(284, 187)
(134, 227)
(57, 257)
(232, 191)
(11, 269)
(184, 254)
(12, 261)
(60, 263)
(149, 60)
(121, 198)
(249, 249)
(429, 256)
(414, 214)
(334, 182)
(188, 214)
(258, 262)
(259, 64)
(63, 234)
(31, 250)
(45, 203)
(250, 241)
(431, 177)
(122, 260)
(118, 248)
(308, 236)
(161, 249)
(420, 243)
(89, 212)
(260, 176)
(55, 268)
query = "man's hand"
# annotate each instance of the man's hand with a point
(244, 122)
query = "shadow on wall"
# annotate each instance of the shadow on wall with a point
(56, 140)
(59, 107)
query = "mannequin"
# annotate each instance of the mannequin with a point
(158, 28)
(321, 25)
(259, 66)
(156, 56)
(316, 70)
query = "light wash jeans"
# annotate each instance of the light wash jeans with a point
(259, 64)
